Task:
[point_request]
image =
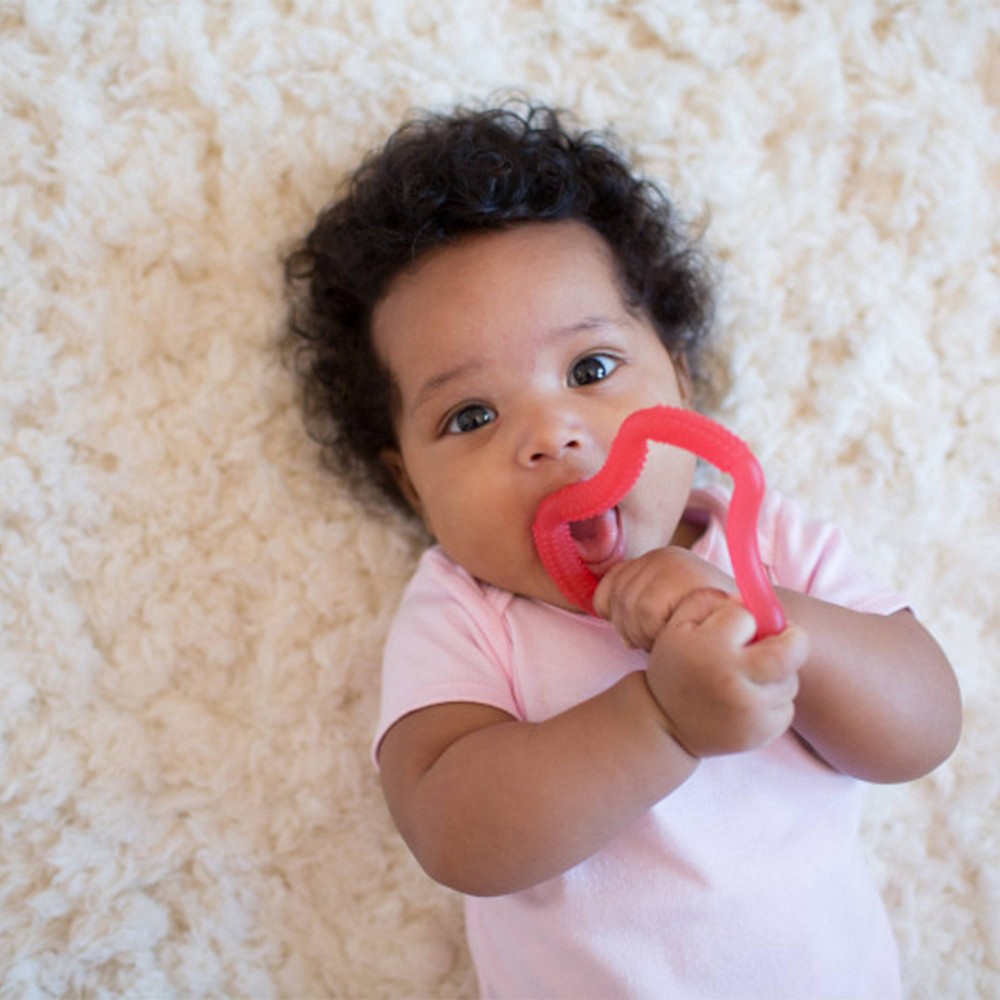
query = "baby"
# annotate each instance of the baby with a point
(645, 803)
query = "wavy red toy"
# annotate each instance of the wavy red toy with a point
(592, 497)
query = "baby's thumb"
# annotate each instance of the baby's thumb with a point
(698, 606)
(603, 594)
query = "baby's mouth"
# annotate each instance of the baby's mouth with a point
(599, 540)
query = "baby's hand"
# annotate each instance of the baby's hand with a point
(639, 596)
(719, 693)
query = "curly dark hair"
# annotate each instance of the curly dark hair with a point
(438, 178)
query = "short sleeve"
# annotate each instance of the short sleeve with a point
(447, 643)
(813, 556)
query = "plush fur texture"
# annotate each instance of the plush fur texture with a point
(191, 609)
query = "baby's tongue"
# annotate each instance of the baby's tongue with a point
(595, 537)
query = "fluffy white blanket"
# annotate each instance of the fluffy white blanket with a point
(191, 610)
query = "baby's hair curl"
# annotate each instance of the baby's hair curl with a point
(438, 178)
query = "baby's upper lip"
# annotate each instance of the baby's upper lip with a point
(573, 476)
(570, 476)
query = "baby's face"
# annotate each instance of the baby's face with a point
(516, 362)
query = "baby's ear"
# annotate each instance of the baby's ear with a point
(393, 461)
(684, 380)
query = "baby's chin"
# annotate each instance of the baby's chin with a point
(545, 590)
(534, 586)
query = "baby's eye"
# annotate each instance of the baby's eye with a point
(592, 368)
(469, 418)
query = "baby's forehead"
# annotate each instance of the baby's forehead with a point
(528, 279)
(527, 252)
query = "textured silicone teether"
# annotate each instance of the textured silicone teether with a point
(590, 497)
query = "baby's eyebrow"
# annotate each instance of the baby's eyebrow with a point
(441, 379)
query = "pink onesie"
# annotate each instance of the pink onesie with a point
(747, 881)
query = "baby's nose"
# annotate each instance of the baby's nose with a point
(549, 436)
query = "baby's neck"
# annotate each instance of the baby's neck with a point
(687, 533)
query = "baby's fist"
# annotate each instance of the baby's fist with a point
(639, 596)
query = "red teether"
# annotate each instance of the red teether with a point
(591, 497)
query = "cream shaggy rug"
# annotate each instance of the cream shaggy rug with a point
(191, 610)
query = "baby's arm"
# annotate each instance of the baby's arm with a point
(878, 698)
(492, 805)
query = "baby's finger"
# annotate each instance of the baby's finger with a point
(604, 594)
(778, 658)
(782, 715)
(643, 619)
(635, 600)
(697, 607)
